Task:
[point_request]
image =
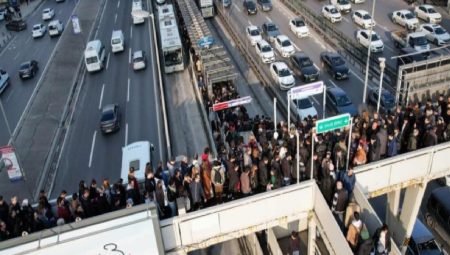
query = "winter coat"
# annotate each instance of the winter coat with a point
(4, 209)
(205, 175)
(383, 138)
(392, 148)
(353, 236)
(412, 143)
(315, 169)
(342, 199)
(234, 179)
(374, 151)
(150, 185)
(286, 168)
(262, 174)
(376, 239)
(64, 212)
(348, 181)
(196, 192)
(245, 183)
(360, 157)
(327, 185)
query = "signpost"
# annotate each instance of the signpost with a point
(75, 24)
(305, 91)
(205, 42)
(10, 163)
(232, 103)
(330, 124)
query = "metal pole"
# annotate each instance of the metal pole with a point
(275, 113)
(324, 101)
(289, 109)
(382, 66)
(349, 143)
(366, 78)
(298, 156)
(312, 155)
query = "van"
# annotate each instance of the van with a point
(117, 41)
(55, 28)
(437, 215)
(94, 56)
(137, 5)
(422, 241)
(135, 155)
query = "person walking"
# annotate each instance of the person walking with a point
(382, 240)
(218, 179)
(354, 230)
(339, 204)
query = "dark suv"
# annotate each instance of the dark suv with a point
(110, 119)
(265, 5)
(28, 69)
(335, 65)
(305, 67)
(16, 25)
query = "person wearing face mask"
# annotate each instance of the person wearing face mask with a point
(354, 229)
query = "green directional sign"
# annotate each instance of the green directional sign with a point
(332, 123)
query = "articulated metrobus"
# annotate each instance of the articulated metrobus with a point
(171, 44)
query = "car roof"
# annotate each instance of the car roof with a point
(262, 42)
(332, 54)
(37, 25)
(138, 54)
(403, 11)
(252, 27)
(282, 37)
(362, 11)
(368, 31)
(329, 6)
(108, 107)
(47, 9)
(269, 23)
(428, 6)
(421, 234)
(53, 22)
(336, 91)
(26, 63)
(280, 65)
(300, 54)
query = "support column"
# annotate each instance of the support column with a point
(408, 215)
(311, 234)
(392, 207)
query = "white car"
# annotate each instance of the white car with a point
(284, 46)
(406, 19)
(304, 108)
(253, 34)
(265, 51)
(435, 33)
(48, 14)
(428, 13)
(282, 75)
(342, 5)
(299, 27)
(358, 1)
(376, 45)
(331, 13)
(139, 60)
(38, 30)
(363, 19)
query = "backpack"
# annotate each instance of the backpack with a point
(217, 176)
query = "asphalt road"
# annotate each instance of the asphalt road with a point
(384, 27)
(87, 153)
(21, 49)
(312, 46)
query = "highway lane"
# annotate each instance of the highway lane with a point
(384, 27)
(24, 48)
(313, 46)
(88, 154)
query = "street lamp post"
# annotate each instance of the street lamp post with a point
(382, 66)
(366, 77)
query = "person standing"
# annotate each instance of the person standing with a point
(294, 243)
(218, 179)
(339, 204)
(353, 231)
(197, 193)
(382, 240)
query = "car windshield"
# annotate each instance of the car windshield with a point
(138, 59)
(333, 11)
(254, 32)
(116, 41)
(306, 62)
(304, 103)
(299, 23)
(286, 43)
(337, 61)
(343, 2)
(420, 41)
(428, 246)
(343, 100)
(265, 1)
(440, 31)
(37, 27)
(431, 10)
(375, 37)
(107, 115)
(272, 27)
(25, 65)
(284, 72)
(46, 11)
(409, 16)
(266, 48)
(366, 17)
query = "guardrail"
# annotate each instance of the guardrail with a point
(253, 63)
(343, 43)
(389, 174)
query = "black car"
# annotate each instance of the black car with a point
(304, 66)
(28, 69)
(265, 5)
(250, 6)
(387, 101)
(110, 119)
(338, 101)
(335, 65)
(270, 31)
(16, 25)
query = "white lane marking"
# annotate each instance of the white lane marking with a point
(101, 18)
(28, 40)
(332, 83)
(10, 94)
(317, 67)
(17, 55)
(128, 90)
(101, 97)
(92, 148)
(126, 134)
(296, 47)
(357, 76)
(107, 60)
(129, 56)
(115, 19)
(250, 23)
(131, 32)
(118, 4)
(384, 28)
(235, 6)
(267, 17)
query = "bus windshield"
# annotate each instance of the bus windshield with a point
(173, 57)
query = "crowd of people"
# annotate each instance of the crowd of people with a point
(262, 160)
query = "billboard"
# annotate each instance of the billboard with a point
(9, 163)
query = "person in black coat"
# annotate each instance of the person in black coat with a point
(382, 240)
(4, 208)
(262, 173)
(86, 204)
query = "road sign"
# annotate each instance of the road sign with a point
(231, 103)
(332, 123)
(205, 42)
(306, 90)
(8, 162)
